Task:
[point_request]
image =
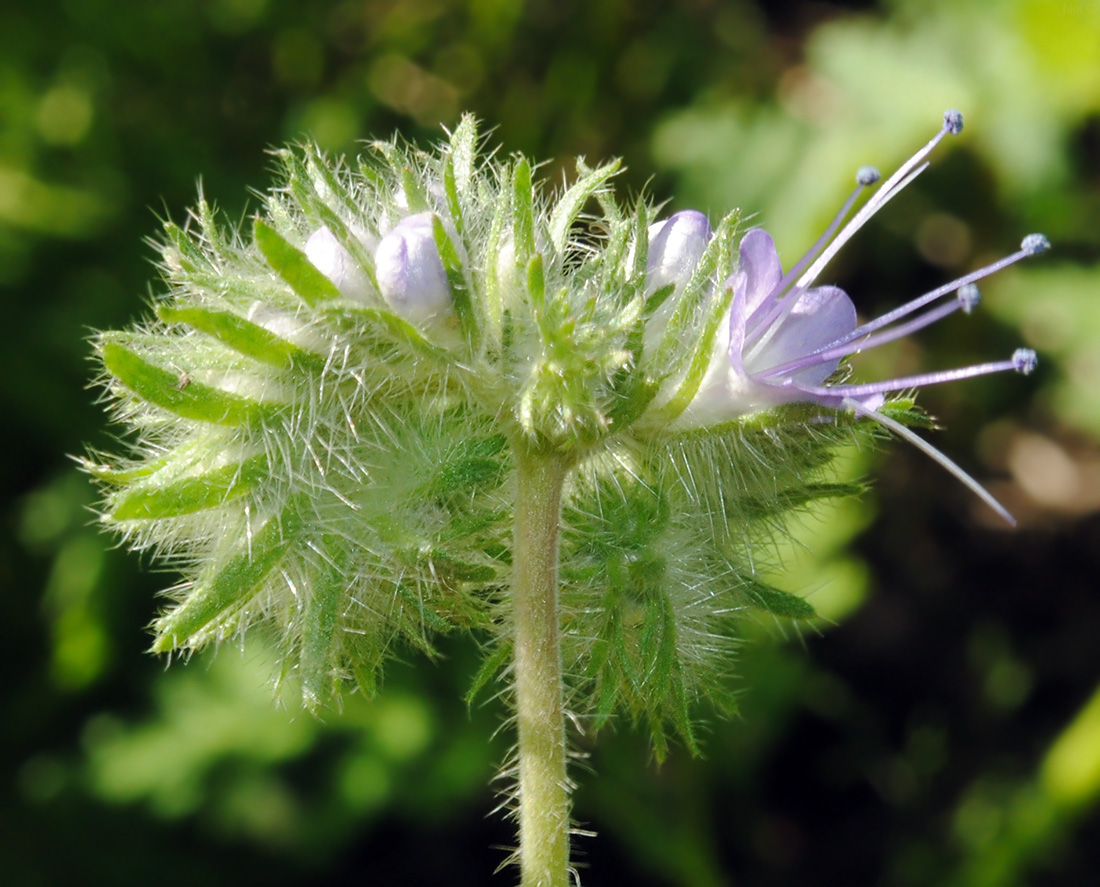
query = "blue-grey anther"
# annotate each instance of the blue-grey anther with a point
(1034, 244)
(1024, 360)
(953, 121)
(969, 297)
(867, 175)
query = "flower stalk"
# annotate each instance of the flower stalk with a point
(543, 791)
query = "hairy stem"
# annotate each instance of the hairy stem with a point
(543, 784)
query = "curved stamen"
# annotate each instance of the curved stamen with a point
(881, 197)
(925, 447)
(905, 174)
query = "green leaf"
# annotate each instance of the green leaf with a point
(573, 201)
(227, 586)
(177, 394)
(191, 494)
(456, 282)
(491, 666)
(470, 466)
(243, 336)
(291, 264)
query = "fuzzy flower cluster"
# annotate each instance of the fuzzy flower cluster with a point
(329, 415)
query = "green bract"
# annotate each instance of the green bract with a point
(309, 454)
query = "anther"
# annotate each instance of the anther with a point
(953, 121)
(867, 175)
(968, 297)
(1024, 360)
(1034, 244)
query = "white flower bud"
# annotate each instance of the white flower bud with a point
(332, 259)
(410, 272)
(675, 247)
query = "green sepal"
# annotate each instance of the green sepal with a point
(178, 394)
(492, 297)
(536, 290)
(398, 329)
(291, 264)
(457, 283)
(415, 198)
(326, 599)
(571, 203)
(191, 494)
(633, 395)
(227, 586)
(121, 476)
(906, 411)
(458, 169)
(523, 213)
(671, 352)
(778, 603)
(243, 336)
(641, 245)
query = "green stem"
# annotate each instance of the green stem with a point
(540, 710)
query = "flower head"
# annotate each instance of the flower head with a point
(786, 338)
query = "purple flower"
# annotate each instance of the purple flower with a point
(786, 338)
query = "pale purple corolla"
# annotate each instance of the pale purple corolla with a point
(675, 247)
(785, 337)
(332, 259)
(407, 268)
(410, 272)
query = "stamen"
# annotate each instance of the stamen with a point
(1034, 244)
(921, 444)
(1020, 361)
(906, 173)
(1024, 361)
(865, 176)
(966, 303)
(969, 297)
(955, 285)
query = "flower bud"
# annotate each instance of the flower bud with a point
(332, 259)
(410, 272)
(675, 247)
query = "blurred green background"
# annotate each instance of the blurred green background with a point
(940, 726)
